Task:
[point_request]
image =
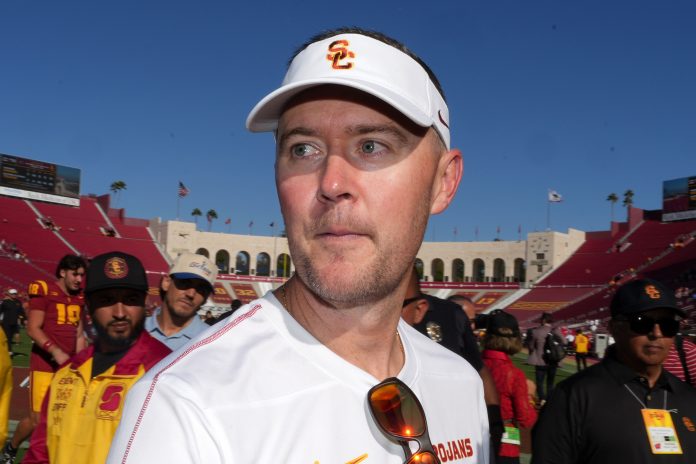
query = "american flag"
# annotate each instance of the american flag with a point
(228, 221)
(183, 191)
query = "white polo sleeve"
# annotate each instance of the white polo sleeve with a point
(163, 422)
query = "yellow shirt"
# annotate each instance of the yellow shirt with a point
(80, 414)
(582, 344)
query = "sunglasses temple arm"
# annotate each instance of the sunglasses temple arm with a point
(407, 450)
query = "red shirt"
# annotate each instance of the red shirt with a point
(673, 363)
(514, 396)
(61, 317)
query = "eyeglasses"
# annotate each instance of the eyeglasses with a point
(643, 325)
(400, 415)
(408, 301)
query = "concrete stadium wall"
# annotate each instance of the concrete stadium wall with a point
(541, 252)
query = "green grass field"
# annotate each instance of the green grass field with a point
(21, 350)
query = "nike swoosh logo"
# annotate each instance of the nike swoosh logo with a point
(442, 120)
(358, 460)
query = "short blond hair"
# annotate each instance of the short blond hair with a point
(508, 341)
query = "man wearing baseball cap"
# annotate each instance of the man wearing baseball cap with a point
(363, 159)
(184, 290)
(627, 408)
(83, 405)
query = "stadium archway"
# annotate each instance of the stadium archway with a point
(263, 264)
(241, 265)
(283, 265)
(204, 252)
(437, 270)
(498, 270)
(478, 273)
(520, 270)
(222, 261)
(419, 268)
(457, 270)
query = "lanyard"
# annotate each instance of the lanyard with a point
(664, 404)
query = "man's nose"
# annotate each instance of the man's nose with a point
(336, 182)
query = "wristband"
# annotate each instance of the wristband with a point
(47, 345)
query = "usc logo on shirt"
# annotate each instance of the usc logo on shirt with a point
(110, 402)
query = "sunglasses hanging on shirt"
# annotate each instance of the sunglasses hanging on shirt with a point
(399, 414)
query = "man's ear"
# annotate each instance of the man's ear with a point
(421, 308)
(166, 282)
(449, 175)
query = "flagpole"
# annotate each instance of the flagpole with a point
(178, 200)
(548, 214)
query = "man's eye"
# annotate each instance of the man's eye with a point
(371, 146)
(302, 150)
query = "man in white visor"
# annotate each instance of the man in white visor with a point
(322, 369)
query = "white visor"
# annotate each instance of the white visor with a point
(363, 63)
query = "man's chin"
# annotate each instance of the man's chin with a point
(337, 288)
(120, 340)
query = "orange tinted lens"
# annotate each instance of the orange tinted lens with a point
(425, 457)
(397, 411)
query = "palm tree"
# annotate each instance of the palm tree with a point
(613, 198)
(628, 199)
(211, 215)
(196, 213)
(116, 187)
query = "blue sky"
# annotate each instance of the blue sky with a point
(587, 98)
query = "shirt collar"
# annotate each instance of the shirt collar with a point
(195, 327)
(624, 374)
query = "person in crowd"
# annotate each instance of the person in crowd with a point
(502, 340)
(83, 405)
(582, 349)
(444, 322)
(681, 360)
(184, 290)
(467, 306)
(544, 371)
(6, 382)
(234, 306)
(626, 408)
(12, 313)
(54, 324)
(301, 375)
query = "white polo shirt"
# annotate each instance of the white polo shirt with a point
(261, 389)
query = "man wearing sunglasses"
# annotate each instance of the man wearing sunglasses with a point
(363, 159)
(627, 408)
(188, 285)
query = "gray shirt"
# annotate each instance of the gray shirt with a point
(536, 344)
(178, 339)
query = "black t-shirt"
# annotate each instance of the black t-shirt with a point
(103, 361)
(11, 310)
(592, 417)
(446, 323)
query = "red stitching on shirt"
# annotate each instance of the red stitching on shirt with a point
(190, 349)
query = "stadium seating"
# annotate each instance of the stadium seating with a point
(581, 288)
(79, 230)
(578, 290)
